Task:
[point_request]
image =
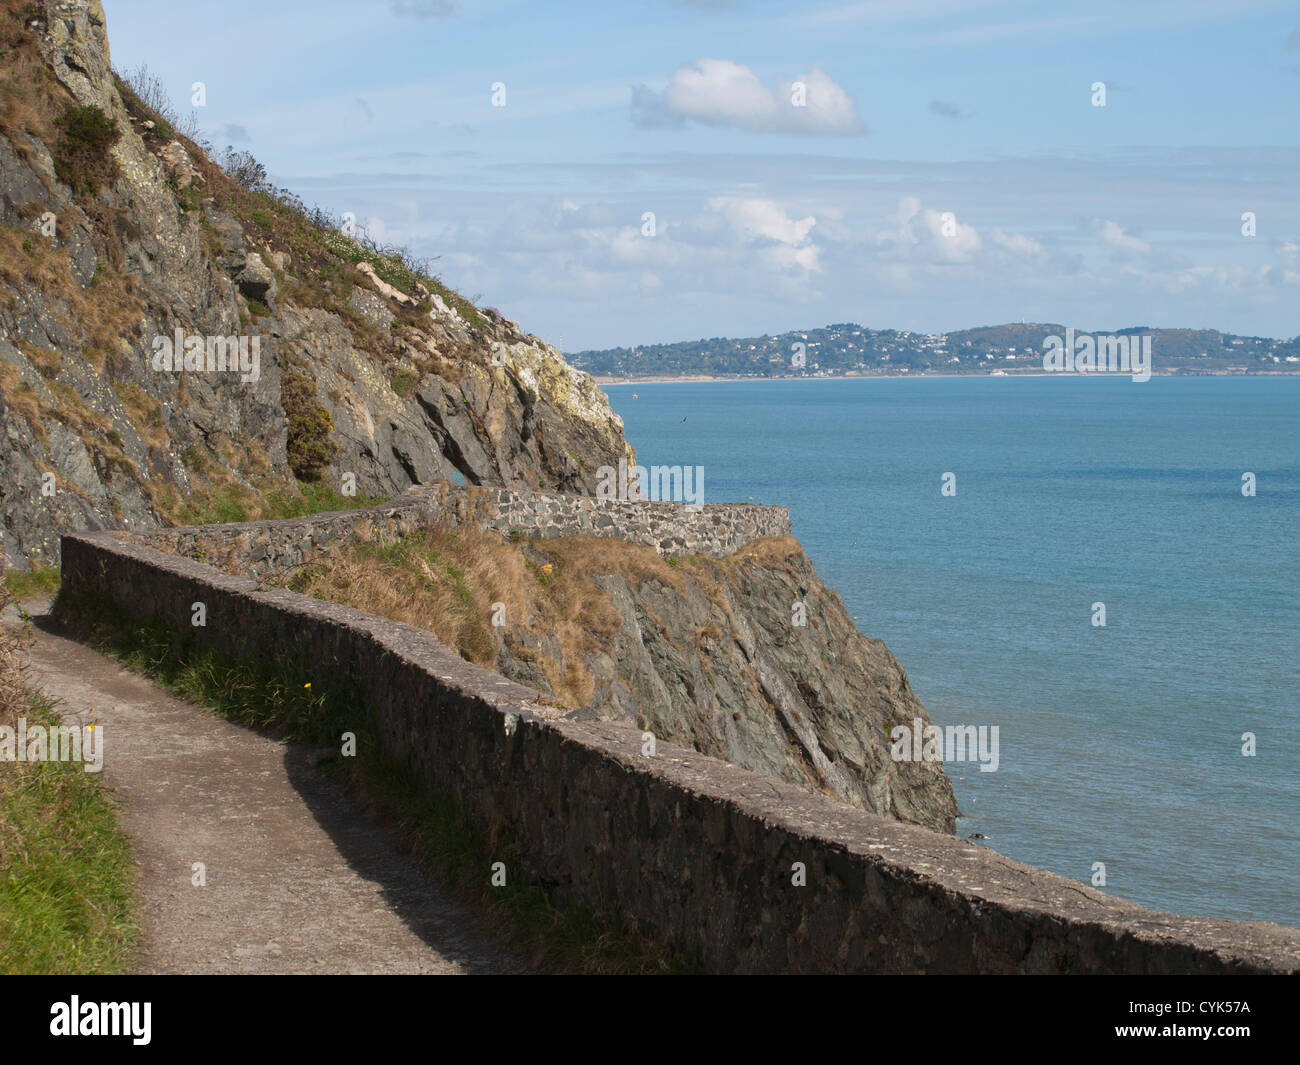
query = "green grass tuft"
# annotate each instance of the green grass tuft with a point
(66, 878)
(67, 881)
(41, 583)
(229, 504)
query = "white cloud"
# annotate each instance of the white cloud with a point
(769, 247)
(718, 92)
(1112, 234)
(1288, 272)
(924, 234)
(1017, 244)
(763, 218)
(785, 240)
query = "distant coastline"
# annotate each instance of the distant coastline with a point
(1016, 349)
(690, 379)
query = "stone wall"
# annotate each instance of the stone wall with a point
(670, 528)
(695, 849)
(259, 548)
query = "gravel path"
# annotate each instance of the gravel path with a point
(298, 879)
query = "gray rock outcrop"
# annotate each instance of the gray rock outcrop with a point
(398, 387)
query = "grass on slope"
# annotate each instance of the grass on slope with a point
(66, 879)
(539, 595)
(41, 583)
(461, 583)
(228, 503)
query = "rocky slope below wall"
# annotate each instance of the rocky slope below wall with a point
(748, 658)
(116, 230)
(734, 648)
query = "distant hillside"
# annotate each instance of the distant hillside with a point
(849, 348)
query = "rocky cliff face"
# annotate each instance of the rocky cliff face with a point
(751, 659)
(116, 233)
(169, 336)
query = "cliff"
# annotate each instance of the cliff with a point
(116, 233)
(178, 347)
(749, 658)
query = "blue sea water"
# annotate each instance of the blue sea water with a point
(1120, 744)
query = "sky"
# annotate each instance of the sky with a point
(632, 172)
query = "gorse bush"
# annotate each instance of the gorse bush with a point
(82, 156)
(309, 425)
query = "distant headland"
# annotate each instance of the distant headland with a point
(852, 350)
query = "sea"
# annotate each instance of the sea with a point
(1160, 750)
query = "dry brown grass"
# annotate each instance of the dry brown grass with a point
(22, 399)
(601, 554)
(448, 580)
(94, 429)
(48, 362)
(109, 310)
(772, 552)
(26, 256)
(445, 581)
(29, 92)
(146, 414)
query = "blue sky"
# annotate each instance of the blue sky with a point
(947, 167)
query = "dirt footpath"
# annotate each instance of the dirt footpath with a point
(297, 879)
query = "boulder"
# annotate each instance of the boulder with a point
(255, 280)
(178, 164)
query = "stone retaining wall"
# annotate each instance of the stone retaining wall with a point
(695, 849)
(258, 548)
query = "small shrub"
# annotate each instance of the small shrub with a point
(189, 198)
(309, 446)
(81, 158)
(243, 169)
(146, 99)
